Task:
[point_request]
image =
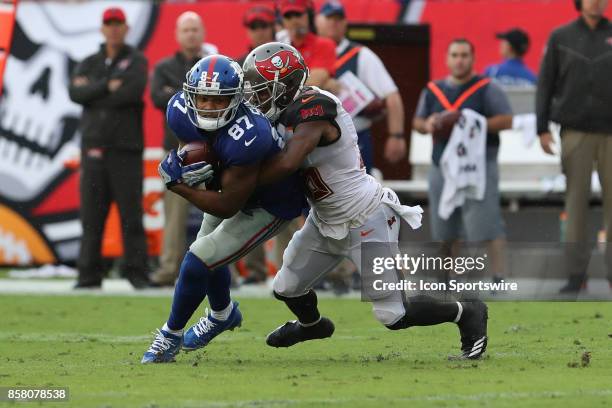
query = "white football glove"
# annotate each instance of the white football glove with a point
(197, 173)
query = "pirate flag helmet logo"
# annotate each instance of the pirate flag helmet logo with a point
(274, 74)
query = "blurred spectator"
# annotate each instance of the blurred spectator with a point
(319, 53)
(370, 70)
(110, 84)
(297, 18)
(476, 220)
(512, 71)
(167, 79)
(259, 22)
(575, 91)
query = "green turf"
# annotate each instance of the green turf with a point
(93, 345)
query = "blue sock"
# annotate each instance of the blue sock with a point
(189, 292)
(219, 288)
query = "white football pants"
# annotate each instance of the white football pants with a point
(310, 255)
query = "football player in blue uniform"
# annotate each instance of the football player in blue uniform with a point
(238, 216)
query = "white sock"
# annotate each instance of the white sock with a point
(174, 332)
(223, 314)
(459, 312)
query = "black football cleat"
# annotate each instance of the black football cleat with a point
(293, 332)
(473, 329)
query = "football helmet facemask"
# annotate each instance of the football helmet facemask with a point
(215, 75)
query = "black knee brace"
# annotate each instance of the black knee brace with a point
(304, 307)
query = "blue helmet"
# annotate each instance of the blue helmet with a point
(215, 75)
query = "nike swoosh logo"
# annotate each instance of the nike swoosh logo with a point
(366, 233)
(249, 142)
(306, 100)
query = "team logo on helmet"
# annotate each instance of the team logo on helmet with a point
(209, 81)
(283, 62)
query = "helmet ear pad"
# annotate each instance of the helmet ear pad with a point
(293, 83)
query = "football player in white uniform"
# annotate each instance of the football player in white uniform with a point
(348, 206)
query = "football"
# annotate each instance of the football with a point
(443, 126)
(196, 152)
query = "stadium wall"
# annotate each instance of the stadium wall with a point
(39, 202)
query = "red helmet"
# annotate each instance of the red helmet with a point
(274, 74)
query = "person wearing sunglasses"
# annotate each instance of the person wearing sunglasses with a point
(297, 17)
(259, 23)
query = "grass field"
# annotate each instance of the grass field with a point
(93, 345)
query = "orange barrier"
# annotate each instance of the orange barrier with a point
(112, 242)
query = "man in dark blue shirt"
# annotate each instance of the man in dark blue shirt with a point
(512, 71)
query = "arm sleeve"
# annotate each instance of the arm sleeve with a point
(374, 75)
(178, 122)
(495, 101)
(171, 116)
(546, 83)
(159, 95)
(86, 94)
(421, 109)
(320, 107)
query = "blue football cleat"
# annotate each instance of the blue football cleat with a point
(164, 348)
(201, 333)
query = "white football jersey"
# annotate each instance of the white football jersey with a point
(340, 192)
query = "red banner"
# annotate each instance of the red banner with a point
(480, 20)
(7, 21)
(39, 201)
(39, 123)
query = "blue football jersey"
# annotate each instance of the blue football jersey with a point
(247, 139)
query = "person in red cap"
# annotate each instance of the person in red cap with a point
(259, 23)
(318, 52)
(110, 85)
